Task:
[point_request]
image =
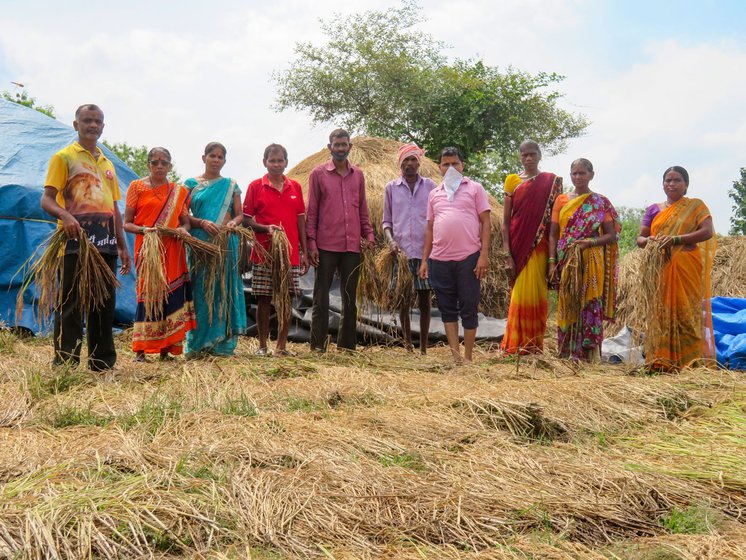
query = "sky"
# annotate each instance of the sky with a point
(662, 82)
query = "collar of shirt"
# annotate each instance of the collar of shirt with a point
(402, 181)
(464, 179)
(331, 167)
(79, 148)
(267, 183)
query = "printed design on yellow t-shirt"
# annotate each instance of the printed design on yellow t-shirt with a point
(84, 193)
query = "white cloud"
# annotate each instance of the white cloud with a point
(204, 73)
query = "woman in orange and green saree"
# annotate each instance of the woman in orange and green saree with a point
(527, 211)
(589, 221)
(154, 201)
(679, 332)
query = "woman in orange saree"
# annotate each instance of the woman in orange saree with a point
(679, 331)
(527, 211)
(154, 201)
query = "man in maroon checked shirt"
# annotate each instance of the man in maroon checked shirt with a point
(337, 219)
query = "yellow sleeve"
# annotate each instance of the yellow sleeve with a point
(511, 182)
(116, 194)
(57, 173)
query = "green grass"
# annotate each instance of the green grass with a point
(694, 520)
(242, 406)
(7, 341)
(152, 413)
(411, 461)
(73, 416)
(62, 379)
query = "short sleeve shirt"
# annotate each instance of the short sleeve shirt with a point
(268, 206)
(456, 224)
(86, 187)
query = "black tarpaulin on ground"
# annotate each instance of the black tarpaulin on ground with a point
(373, 326)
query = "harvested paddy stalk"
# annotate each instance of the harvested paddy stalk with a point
(397, 288)
(93, 277)
(571, 287)
(282, 276)
(151, 275)
(655, 319)
(369, 288)
(201, 251)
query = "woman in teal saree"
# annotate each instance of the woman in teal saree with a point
(215, 204)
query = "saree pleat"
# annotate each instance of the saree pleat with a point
(163, 206)
(212, 200)
(682, 335)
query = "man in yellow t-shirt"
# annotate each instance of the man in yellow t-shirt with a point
(81, 191)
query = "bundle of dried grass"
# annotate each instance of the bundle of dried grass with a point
(93, 277)
(151, 275)
(215, 271)
(282, 276)
(656, 319)
(397, 282)
(570, 295)
(201, 251)
(369, 289)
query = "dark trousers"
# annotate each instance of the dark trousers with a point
(68, 322)
(348, 266)
(457, 290)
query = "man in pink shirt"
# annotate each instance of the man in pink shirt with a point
(337, 219)
(457, 241)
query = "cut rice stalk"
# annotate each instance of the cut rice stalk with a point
(282, 276)
(151, 275)
(392, 267)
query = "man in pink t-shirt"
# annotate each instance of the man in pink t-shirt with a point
(457, 241)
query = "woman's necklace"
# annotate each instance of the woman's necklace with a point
(155, 188)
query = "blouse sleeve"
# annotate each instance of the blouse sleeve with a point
(559, 202)
(650, 213)
(133, 194)
(511, 182)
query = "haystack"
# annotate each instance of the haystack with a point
(728, 280)
(378, 158)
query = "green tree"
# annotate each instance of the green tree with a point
(738, 195)
(23, 98)
(136, 158)
(378, 75)
(631, 219)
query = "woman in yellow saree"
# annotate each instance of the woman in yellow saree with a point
(527, 210)
(679, 332)
(585, 221)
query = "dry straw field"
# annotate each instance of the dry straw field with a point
(377, 454)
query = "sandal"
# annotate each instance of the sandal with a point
(284, 352)
(263, 352)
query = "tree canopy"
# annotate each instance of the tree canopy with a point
(738, 195)
(23, 98)
(136, 158)
(378, 75)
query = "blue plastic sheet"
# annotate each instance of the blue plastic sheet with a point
(28, 140)
(729, 325)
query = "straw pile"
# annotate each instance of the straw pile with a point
(728, 279)
(378, 158)
(370, 286)
(93, 277)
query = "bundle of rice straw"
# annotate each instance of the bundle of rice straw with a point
(282, 276)
(201, 251)
(93, 277)
(397, 288)
(369, 288)
(151, 275)
(655, 320)
(570, 293)
(216, 273)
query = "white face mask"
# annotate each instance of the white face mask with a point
(451, 182)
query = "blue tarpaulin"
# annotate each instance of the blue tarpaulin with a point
(28, 139)
(729, 325)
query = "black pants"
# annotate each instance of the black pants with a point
(68, 322)
(347, 264)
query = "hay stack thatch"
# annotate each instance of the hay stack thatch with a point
(378, 158)
(728, 279)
